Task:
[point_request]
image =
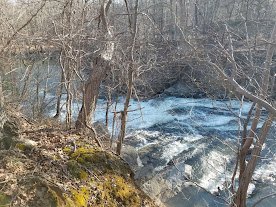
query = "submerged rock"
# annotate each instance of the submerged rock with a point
(184, 90)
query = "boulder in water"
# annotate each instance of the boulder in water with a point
(184, 90)
(188, 171)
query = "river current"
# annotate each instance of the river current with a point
(183, 149)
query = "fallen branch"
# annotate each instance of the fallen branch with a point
(118, 112)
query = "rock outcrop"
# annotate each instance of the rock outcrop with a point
(62, 170)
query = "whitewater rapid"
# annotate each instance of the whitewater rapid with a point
(201, 133)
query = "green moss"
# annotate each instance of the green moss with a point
(55, 199)
(76, 170)
(68, 202)
(109, 183)
(100, 161)
(83, 175)
(111, 191)
(24, 146)
(4, 199)
(21, 146)
(116, 191)
(67, 149)
(80, 197)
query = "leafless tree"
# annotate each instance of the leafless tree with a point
(132, 18)
(100, 67)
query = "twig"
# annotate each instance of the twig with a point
(22, 27)
(95, 135)
(117, 112)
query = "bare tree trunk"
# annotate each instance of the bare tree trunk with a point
(65, 64)
(125, 111)
(245, 179)
(69, 100)
(131, 69)
(1, 94)
(2, 111)
(196, 13)
(248, 140)
(108, 104)
(100, 68)
(247, 170)
(59, 96)
(26, 78)
(183, 14)
(113, 123)
(91, 92)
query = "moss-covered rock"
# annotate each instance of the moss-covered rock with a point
(116, 188)
(99, 161)
(10, 134)
(110, 190)
(107, 177)
(25, 144)
(40, 193)
(76, 170)
(83, 176)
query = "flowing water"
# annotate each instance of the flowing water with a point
(191, 133)
(183, 149)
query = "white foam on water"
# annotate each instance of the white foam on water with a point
(141, 136)
(267, 172)
(214, 121)
(145, 133)
(139, 162)
(157, 111)
(174, 149)
(250, 189)
(214, 171)
(192, 138)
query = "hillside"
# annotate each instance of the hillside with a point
(47, 166)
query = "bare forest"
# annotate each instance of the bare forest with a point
(76, 75)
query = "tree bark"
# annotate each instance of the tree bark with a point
(241, 194)
(247, 170)
(131, 69)
(59, 96)
(1, 94)
(100, 69)
(2, 111)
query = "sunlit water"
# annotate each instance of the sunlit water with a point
(201, 133)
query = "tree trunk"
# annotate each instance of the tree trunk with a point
(125, 111)
(100, 69)
(2, 111)
(247, 170)
(241, 194)
(248, 140)
(59, 96)
(131, 69)
(26, 79)
(1, 94)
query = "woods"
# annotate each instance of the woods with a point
(62, 56)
